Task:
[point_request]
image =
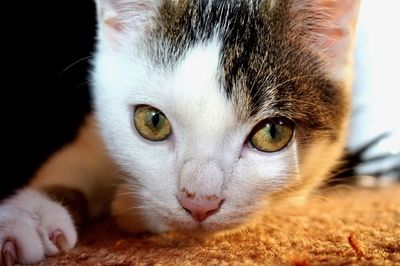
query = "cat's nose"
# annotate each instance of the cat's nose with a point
(200, 209)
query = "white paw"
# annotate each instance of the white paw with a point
(33, 226)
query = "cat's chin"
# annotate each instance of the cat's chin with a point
(206, 229)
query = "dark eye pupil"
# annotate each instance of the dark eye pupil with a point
(155, 119)
(272, 131)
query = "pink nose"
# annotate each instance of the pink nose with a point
(200, 209)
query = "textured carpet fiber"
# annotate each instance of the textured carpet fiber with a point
(341, 226)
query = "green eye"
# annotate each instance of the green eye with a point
(151, 124)
(272, 135)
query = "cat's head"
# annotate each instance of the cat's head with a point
(216, 109)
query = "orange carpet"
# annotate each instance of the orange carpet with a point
(340, 226)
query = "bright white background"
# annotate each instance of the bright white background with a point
(376, 107)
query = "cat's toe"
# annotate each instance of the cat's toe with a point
(19, 243)
(32, 227)
(9, 253)
(59, 240)
(57, 230)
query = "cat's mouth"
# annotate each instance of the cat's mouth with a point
(205, 229)
(210, 226)
(226, 221)
(228, 218)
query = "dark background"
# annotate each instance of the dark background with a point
(44, 94)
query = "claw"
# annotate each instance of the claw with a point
(9, 253)
(59, 240)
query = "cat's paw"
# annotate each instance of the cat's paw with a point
(33, 226)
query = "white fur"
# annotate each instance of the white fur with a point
(28, 219)
(205, 154)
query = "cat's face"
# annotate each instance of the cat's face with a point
(227, 102)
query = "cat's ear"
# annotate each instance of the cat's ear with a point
(122, 19)
(328, 27)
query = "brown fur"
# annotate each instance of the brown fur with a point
(262, 69)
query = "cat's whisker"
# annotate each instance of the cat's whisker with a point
(277, 86)
(272, 87)
(75, 63)
(131, 208)
(266, 80)
(81, 84)
(125, 194)
(258, 74)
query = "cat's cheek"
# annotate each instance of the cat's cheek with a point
(270, 171)
(133, 215)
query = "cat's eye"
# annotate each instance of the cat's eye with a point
(151, 123)
(272, 135)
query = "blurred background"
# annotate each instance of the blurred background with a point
(376, 99)
(45, 95)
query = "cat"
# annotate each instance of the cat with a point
(205, 113)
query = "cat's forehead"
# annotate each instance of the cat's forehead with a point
(261, 73)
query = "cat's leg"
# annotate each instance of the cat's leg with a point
(43, 219)
(32, 226)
